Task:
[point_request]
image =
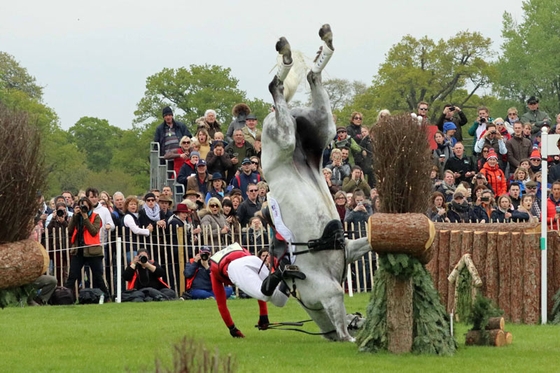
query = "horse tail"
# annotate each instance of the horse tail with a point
(295, 76)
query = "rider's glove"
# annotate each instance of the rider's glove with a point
(235, 333)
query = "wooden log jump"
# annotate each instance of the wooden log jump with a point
(508, 260)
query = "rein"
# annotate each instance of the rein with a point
(290, 326)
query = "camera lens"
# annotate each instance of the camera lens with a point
(482, 120)
(144, 259)
(452, 108)
(60, 213)
(84, 208)
(204, 256)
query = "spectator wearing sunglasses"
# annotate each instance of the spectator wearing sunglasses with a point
(354, 129)
(214, 223)
(181, 155)
(249, 206)
(422, 111)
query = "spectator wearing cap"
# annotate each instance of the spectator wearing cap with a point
(216, 187)
(218, 161)
(169, 132)
(495, 141)
(535, 116)
(453, 113)
(181, 233)
(245, 177)
(535, 161)
(150, 213)
(189, 168)
(165, 203)
(531, 190)
(197, 274)
(494, 174)
(343, 141)
(239, 149)
(199, 181)
(449, 129)
(459, 210)
(518, 147)
(250, 131)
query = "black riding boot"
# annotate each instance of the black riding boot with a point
(284, 271)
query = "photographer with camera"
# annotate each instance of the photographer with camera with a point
(84, 229)
(494, 140)
(452, 113)
(143, 273)
(479, 125)
(197, 274)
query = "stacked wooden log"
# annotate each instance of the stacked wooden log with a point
(507, 261)
(493, 335)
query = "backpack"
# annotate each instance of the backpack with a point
(62, 296)
(89, 296)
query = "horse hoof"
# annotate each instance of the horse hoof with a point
(283, 48)
(276, 87)
(325, 33)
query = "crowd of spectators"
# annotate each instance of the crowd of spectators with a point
(226, 189)
(502, 180)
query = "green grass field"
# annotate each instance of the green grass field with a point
(120, 337)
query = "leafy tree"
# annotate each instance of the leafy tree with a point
(97, 139)
(13, 76)
(132, 157)
(190, 92)
(528, 65)
(424, 70)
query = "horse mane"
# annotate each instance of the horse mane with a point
(296, 75)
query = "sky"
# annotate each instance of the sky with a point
(93, 57)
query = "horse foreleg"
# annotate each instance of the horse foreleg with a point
(355, 249)
(334, 307)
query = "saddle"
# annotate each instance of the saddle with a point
(332, 238)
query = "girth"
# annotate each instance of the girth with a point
(332, 239)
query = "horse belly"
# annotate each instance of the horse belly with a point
(305, 208)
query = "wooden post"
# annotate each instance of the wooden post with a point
(454, 257)
(531, 278)
(492, 275)
(504, 271)
(432, 265)
(516, 252)
(443, 263)
(399, 315)
(479, 256)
